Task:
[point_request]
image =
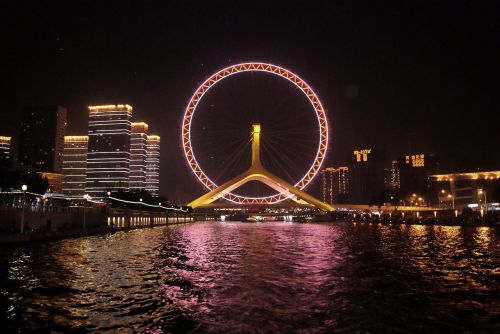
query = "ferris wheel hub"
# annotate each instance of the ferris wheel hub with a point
(257, 172)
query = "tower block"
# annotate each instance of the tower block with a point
(257, 172)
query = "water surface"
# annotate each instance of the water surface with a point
(258, 278)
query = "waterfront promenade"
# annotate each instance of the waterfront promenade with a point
(62, 222)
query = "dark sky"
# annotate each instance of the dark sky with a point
(399, 76)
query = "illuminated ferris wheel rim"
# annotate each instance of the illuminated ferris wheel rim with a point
(254, 67)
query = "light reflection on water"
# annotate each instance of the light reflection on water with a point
(270, 277)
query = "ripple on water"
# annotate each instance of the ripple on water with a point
(272, 277)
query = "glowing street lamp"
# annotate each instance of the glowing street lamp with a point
(452, 200)
(86, 197)
(24, 188)
(482, 192)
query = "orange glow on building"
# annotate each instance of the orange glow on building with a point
(415, 160)
(55, 181)
(362, 155)
(5, 146)
(466, 176)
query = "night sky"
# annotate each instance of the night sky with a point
(401, 76)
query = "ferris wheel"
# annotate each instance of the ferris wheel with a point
(315, 107)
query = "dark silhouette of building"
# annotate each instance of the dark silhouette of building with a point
(335, 185)
(366, 173)
(392, 180)
(41, 138)
(414, 169)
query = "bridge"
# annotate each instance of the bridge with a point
(297, 197)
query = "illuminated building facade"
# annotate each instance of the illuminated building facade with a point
(5, 150)
(138, 156)
(75, 166)
(153, 165)
(415, 160)
(108, 161)
(362, 155)
(335, 185)
(392, 178)
(475, 189)
(41, 140)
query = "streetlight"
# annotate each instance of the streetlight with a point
(482, 192)
(44, 199)
(452, 200)
(86, 197)
(24, 188)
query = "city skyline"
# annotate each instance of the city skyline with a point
(373, 95)
(261, 167)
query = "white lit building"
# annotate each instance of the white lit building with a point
(75, 166)
(392, 178)
(153, 165)
(108, 161)
(138, 155)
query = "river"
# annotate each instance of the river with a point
(257, 278)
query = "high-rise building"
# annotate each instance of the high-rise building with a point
(153, 165)
(138, 155)
(41, 140)
(5, 149)
(392, 179)
(366, 176)
(108, 161)
(335, 185)
(75, 166)
(414, 169)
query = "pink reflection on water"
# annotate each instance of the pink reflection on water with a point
(245, 267)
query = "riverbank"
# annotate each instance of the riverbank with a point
(50, 235)
(21, 227)
(66, 234)
(428, 222)
(451, 218)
